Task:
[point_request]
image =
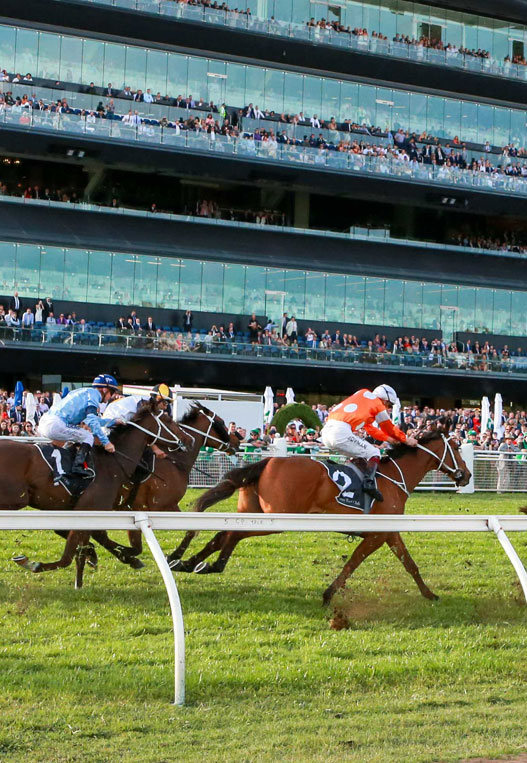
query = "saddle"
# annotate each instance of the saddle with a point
(348, 478)
(60, 461)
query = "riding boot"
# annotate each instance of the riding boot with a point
(81, 464)
(368, 484)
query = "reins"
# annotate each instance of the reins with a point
(401, 484)
(223, 446)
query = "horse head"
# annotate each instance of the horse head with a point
(446, 451)
(210, 426)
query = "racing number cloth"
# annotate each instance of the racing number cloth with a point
(364, 410)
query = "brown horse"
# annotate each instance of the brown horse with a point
(167, 484)
(28, 481)
(301, 485)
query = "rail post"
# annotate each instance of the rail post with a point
(142, 521)
(495, 526)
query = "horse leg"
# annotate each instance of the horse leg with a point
(396, 544)
(178, 552)
(125, 554)
(178, 565)
(84, 554)
(231, 540)
(366, 547)
(75, 539)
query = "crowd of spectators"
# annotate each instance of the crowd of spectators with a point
(42, 322)
(398, 146)
(420, 44)
(507, 242)
(13, 417)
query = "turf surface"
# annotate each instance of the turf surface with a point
(88, 675)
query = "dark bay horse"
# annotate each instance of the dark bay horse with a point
(26, 479)
(301, 485)
(168, 483)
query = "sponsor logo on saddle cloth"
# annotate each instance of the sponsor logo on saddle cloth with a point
(60, 461)
(348, 478)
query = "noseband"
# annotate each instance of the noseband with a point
(223, 446)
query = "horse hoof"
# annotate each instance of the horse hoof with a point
(202, 568)
(136, 564)
(176, 565)
(24, 562)
(327, 596)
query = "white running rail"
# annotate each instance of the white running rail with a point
(148, 522)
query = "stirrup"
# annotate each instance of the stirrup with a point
(368, 487)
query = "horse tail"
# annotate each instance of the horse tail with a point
(233, 480)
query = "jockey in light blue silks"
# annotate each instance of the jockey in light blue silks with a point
(81, 406)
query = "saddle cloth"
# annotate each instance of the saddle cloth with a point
(60, 461)
(348, 478)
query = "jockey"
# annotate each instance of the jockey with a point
(367, 411)
(62, 422)
(124, 408)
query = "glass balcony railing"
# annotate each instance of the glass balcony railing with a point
(355, 233)
(345, 41)
(177, 344)
(248, 148)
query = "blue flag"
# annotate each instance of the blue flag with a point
(19, 389)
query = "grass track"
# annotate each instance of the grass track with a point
(88, 675)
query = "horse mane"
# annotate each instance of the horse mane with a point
(441, 427)
(190, 416)
(193, 412)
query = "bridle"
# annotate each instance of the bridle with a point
(456, 471)
(211, 418)
(174, 439)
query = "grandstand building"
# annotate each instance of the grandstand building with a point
(358, 164)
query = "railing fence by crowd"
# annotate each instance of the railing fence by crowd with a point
(148, 522)
(247, 148)
(242, 21)
(492, 471)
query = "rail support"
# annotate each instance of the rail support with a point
(494, 525)
(143, 523)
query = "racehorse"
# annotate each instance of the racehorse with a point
(301, 486)
(28, 481)
(165, 486)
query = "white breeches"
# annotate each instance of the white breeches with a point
(56, 429)
(337, 435)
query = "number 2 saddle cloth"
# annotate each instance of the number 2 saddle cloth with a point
(348, 478)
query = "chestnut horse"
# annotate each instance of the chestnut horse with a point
(162, 491)
(299, 485)
(28, 481)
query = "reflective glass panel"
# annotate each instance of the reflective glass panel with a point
(75, 276)
(255, 279)
(315, 296)
(145, 280)
(413, 304)
(123, 272)
(7, 268)
(99, 277)
(393, 307)
(355, 295)
(52, 272)
(212, 287)
(502, 312)
(335, 297)
(190, 285)
(168, 274)
(234, 288)
(374, 301)
(27, 275)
